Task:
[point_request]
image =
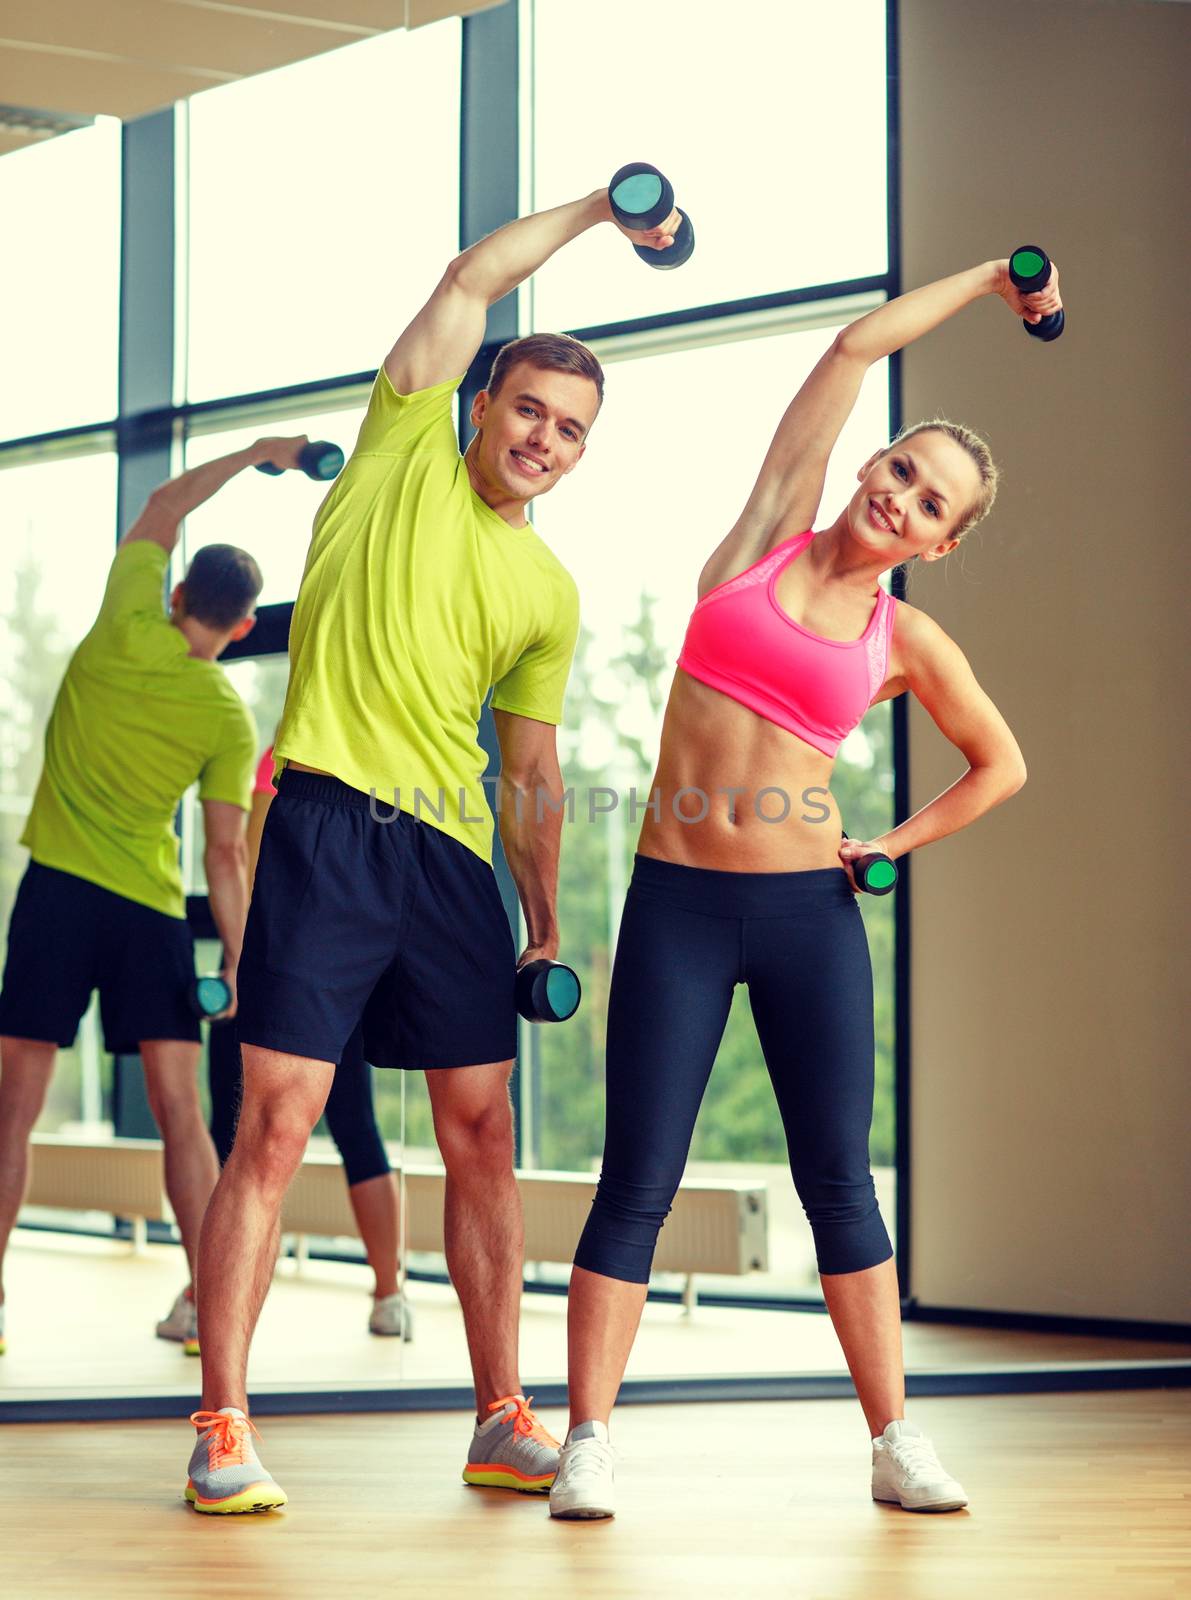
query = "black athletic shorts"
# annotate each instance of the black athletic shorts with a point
(373, 918)
(67, 937)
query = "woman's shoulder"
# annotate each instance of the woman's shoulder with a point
(917, 638)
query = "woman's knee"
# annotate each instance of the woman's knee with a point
(845, 1219)
(621, 1233)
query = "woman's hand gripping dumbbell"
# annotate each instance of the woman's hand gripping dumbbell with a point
(1032, 291)
(872, 871)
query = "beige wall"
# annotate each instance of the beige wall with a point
(1050, 1057)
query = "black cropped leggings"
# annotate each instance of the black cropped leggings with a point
(350, 1113)
(688, 937)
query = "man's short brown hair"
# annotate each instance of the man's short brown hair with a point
(221, 586)
(554, 352)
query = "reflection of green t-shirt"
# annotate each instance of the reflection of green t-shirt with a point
(137, 720)
(417, 597)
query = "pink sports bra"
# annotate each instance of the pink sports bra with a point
(741, 642)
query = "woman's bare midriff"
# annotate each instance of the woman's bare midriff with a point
(712, 745)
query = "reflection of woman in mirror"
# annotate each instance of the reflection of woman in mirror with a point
(792, 639)
(351, 1119)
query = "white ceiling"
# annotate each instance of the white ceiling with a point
(122, 58)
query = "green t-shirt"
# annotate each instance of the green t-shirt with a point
(416, 599)
(137, 720)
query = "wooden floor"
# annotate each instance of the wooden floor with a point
(1073, 1497)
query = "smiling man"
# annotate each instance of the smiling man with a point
(375, 898)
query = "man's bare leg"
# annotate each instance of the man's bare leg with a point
(473, 1123)
(25, 1069)
(191, 1168)
(283, 1098)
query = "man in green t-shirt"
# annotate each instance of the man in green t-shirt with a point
(374, 897)
(143, 711)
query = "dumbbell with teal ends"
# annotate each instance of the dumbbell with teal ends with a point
(547, 991)
(875, 873)
(1029, 271)
(320, 460)
(642, 198)
(209, 996)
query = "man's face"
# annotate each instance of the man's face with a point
(533, 430)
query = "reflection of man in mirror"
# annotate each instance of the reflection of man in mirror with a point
(425, 585)
(143, 712)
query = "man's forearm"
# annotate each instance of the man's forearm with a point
(227, 895)
(188, 490)
(497, 264)
(530, 820)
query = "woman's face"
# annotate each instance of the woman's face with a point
(913, 496)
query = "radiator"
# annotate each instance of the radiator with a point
(122, 1176)
(717, 1225)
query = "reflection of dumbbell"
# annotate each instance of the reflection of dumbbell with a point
(1029, 271)
(209, 995)
(875, 873)
(320, 460)
(547, 991)
(643, 198)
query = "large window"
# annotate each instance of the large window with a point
(769, 119)
(59, 281)
(315, 208)
(324, 202)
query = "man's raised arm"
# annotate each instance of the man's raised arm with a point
(171, 501)
(443, 338)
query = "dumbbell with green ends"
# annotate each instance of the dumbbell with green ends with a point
(320, 460)
(547, 991)
(209, 996)
(875, 873)
(642, 198)
(1029, 271)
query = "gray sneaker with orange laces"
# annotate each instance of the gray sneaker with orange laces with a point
(226, 1475)
(512, 1450)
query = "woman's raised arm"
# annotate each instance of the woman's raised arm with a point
(786, 495)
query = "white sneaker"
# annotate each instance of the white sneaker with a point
(907, 1472)
(392, 1317)
(583, 1487)
(182, 1323)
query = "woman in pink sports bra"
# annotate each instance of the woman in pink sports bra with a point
(742, 875)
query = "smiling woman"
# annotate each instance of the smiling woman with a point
(768, 688)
